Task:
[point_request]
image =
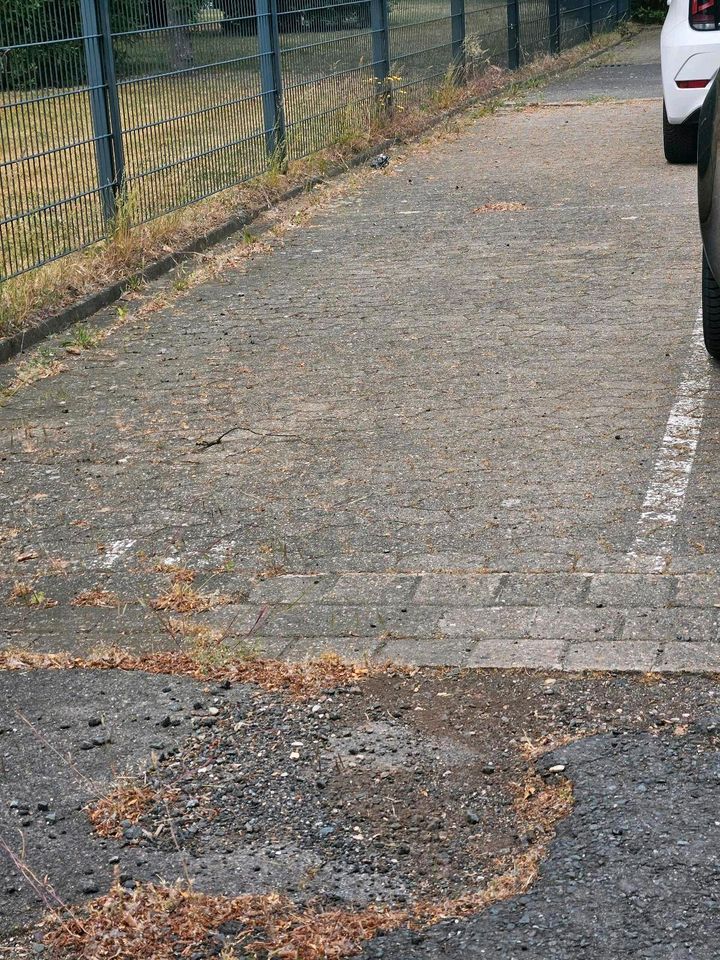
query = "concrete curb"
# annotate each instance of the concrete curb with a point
(77, 312)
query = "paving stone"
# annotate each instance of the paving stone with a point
(457, 590)
(532, 654)
(427, 652)
(418, 413)
(489, 622)
(273, 647)
(541, 589)
(701, 563)
(289, 589)
(582, 623)
(372, 589)
(689, 657)
(336, 620)
(236, 619)
(698, 590)
(667, 625)
(22, 617)
(631, 590)
(352, 649)
(630, 655)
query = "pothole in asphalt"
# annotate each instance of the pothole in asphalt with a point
(357, 809)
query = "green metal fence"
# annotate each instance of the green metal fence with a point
(134, 108)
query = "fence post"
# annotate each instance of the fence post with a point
(113, 101)
(591, 18)
(513, 33)
(457, 19)
(381, 49)
(271, 80)
(554, 12)
(98, 107)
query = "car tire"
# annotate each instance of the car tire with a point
(710, 310)
(679, 141)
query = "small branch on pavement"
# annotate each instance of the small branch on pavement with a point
(206, 444)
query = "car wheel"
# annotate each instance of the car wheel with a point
(679, 141)
(710, 310)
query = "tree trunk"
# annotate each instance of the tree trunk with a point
(181, 52)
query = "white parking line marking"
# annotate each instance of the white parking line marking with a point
(665, 497)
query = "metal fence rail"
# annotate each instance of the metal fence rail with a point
(118, 111)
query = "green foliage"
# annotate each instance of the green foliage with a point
(24, 22)
(649, 11)
(32, 59)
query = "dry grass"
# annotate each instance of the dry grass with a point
(25, 593)
(179, 573)
(182, 598)
(210, 648)
(95, 598)
(180, 628)
(532, 750)
(300, 680)
(26, 300)
(650, 678)
(501, 206)
(39, 366)
(127, 802)
(156, 922)
(20, 592)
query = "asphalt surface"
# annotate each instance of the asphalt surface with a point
(399, 790)
(52, 769)
(633, 872)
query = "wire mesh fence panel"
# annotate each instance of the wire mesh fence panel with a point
(576, 22)
(114, 112)
(328, 72)
(582, 19)
(486, 36)
(53, 169)
(605, 15)
(190, 101)
(421, 49)
(534, 29)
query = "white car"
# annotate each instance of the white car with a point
(690, 57)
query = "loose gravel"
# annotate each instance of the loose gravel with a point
(401, 789)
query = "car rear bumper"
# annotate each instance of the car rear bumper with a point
(687, 54)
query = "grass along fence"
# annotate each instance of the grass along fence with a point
(115, 112)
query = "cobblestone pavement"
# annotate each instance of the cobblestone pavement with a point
(465, 400)
(628, 71)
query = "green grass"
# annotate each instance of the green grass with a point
(82, 337)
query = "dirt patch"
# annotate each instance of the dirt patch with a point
(308, 825)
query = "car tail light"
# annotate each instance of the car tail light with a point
(692, 84)
(703, 15)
